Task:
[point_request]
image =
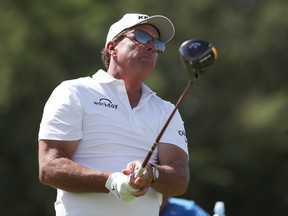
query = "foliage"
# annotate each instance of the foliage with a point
(236, 114)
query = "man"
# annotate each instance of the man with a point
(96, 130)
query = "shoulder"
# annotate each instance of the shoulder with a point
(75, 83)
(155, 98)
(163, 104)
(74, 86)
(68, 90)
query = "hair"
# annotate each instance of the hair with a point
(106, 57)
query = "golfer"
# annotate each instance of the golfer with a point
(95, 131)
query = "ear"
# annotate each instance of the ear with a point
(111, 47)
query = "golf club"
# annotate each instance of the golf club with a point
(196, 55)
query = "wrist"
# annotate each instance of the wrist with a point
(155, 173)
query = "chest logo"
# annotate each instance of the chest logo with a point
(106, 103)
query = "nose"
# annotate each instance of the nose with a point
(151, 46)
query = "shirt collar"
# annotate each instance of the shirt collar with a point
(104, 77)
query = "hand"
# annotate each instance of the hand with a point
(142, 182)
(118, 185)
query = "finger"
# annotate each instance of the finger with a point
(128, 170)
(140, 192)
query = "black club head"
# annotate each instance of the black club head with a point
(196, 56)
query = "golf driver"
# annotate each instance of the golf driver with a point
(196, 55)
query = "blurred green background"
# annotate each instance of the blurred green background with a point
(236, 115)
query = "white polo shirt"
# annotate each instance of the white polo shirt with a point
(97, 111)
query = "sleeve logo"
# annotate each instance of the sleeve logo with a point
(183, 133)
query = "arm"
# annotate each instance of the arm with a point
(56, 168)
(173, 169)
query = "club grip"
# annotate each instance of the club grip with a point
(139, 172)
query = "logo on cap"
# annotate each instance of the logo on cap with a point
(142, 17)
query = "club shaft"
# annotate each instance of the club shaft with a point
(182, 96)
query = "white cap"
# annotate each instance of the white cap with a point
(162, 23)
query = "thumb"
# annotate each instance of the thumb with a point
(128, 170)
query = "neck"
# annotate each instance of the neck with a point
(132, 84)
(134, 96)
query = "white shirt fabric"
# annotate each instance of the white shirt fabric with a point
(97, 111)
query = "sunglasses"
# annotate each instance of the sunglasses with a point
(144, 38)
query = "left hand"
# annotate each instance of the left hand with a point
(118, 185)
(142, 182)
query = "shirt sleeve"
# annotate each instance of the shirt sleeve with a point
(175, 132)
(62, 115)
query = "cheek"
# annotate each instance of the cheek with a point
(127, 51)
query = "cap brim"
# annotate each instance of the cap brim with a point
(163, 24)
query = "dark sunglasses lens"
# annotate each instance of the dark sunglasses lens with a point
(144, 38)
(160, 45)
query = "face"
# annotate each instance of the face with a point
(132, 55)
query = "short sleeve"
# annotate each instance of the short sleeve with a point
(62, 115)
(175, 132)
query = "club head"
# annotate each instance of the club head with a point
(196, 56)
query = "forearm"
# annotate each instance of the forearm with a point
(67, 175)
(173, 179)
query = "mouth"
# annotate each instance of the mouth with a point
(148, 56)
